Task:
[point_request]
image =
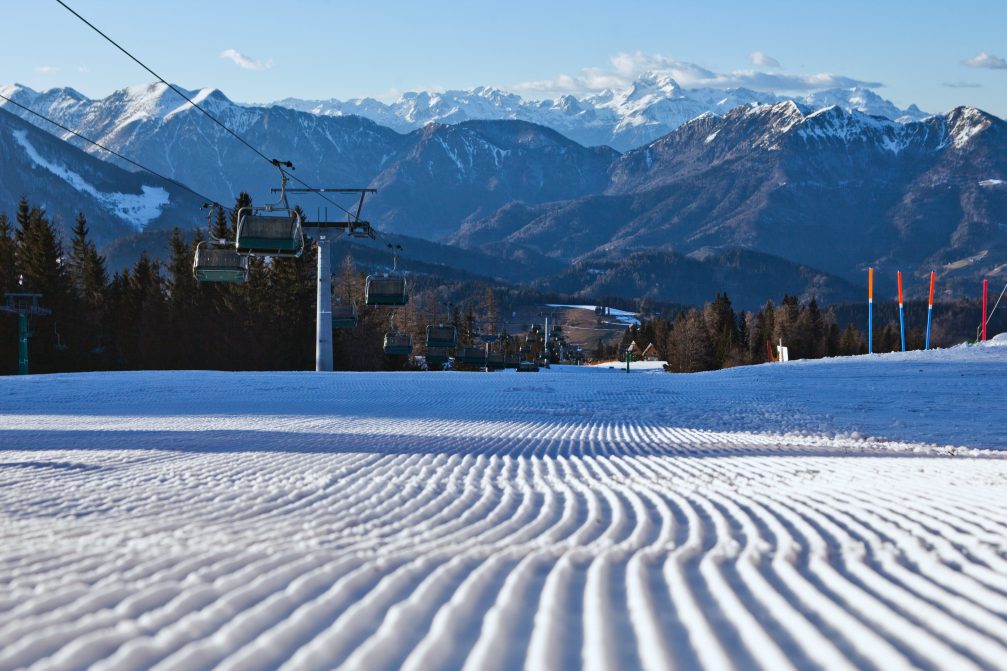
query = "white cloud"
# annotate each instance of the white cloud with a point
(625, 67)
(83, 69)
(985, 60)
(45, 69)
(244, 62)
(763, 59)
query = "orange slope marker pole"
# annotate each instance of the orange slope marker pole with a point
(870, 310)
(930, 307)
(902, 319)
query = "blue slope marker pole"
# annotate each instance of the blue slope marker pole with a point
(930, 308)
(902, 319)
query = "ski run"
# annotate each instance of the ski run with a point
(830, 514)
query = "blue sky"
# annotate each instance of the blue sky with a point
(256, 52)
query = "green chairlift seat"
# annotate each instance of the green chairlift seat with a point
(344, 314)
(398, 344)
(436, 357)
(472, 356)
(216, 264)
(495, 360)
(269, 234)
(385, 290)
(442, 335)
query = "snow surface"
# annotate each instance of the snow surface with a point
(839, 514)
(136, 209)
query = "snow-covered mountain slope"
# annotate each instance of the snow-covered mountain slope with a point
(650, 107)
(833, 514)
(155, 127)
(64, 180)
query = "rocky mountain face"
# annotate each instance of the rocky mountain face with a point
(830, 189)
(652, 106)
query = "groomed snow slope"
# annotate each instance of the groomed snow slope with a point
(838, 514)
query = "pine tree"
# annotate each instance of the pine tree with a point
(852, 341)
(39, 255)
(690, 348)
(8, 250)
(722, 327)
(88, 277)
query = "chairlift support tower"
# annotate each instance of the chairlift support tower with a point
(355, 227)
(24, 306)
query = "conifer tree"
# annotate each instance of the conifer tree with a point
(8, 249)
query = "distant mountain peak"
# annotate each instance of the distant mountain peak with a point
(649, 107)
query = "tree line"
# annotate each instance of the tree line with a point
(155, 315)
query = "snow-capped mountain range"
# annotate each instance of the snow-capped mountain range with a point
(652, 106)
(827, 187)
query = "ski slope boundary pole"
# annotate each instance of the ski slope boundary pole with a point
(870, 310)
(902, 318)
(930, 308)
(986, 286)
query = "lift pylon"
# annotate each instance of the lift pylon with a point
(353, 226)
(24, 306)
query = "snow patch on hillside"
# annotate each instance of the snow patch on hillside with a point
(621, 316)
(137, 209)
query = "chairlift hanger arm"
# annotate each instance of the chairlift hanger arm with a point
(360, 203)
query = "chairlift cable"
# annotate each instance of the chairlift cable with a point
(206, 201)
(201, 109)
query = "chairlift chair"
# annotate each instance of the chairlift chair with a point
(273, 230)
(436, 357)
(278, 235)
(473, 356)
(398, 344)
(527, 367)
(344, 314)
(442, 335)
(495, 360)
(213, 263)
(385, 290)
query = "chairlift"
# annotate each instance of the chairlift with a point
(473, 356)
(387, 289)
(442, 335)
(527, 367)
(398, 344)
(436, 357)
(344, 314)
(495, 360)
(216, 263)
(273, 230)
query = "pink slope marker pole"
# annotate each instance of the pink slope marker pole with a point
(986, 286)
